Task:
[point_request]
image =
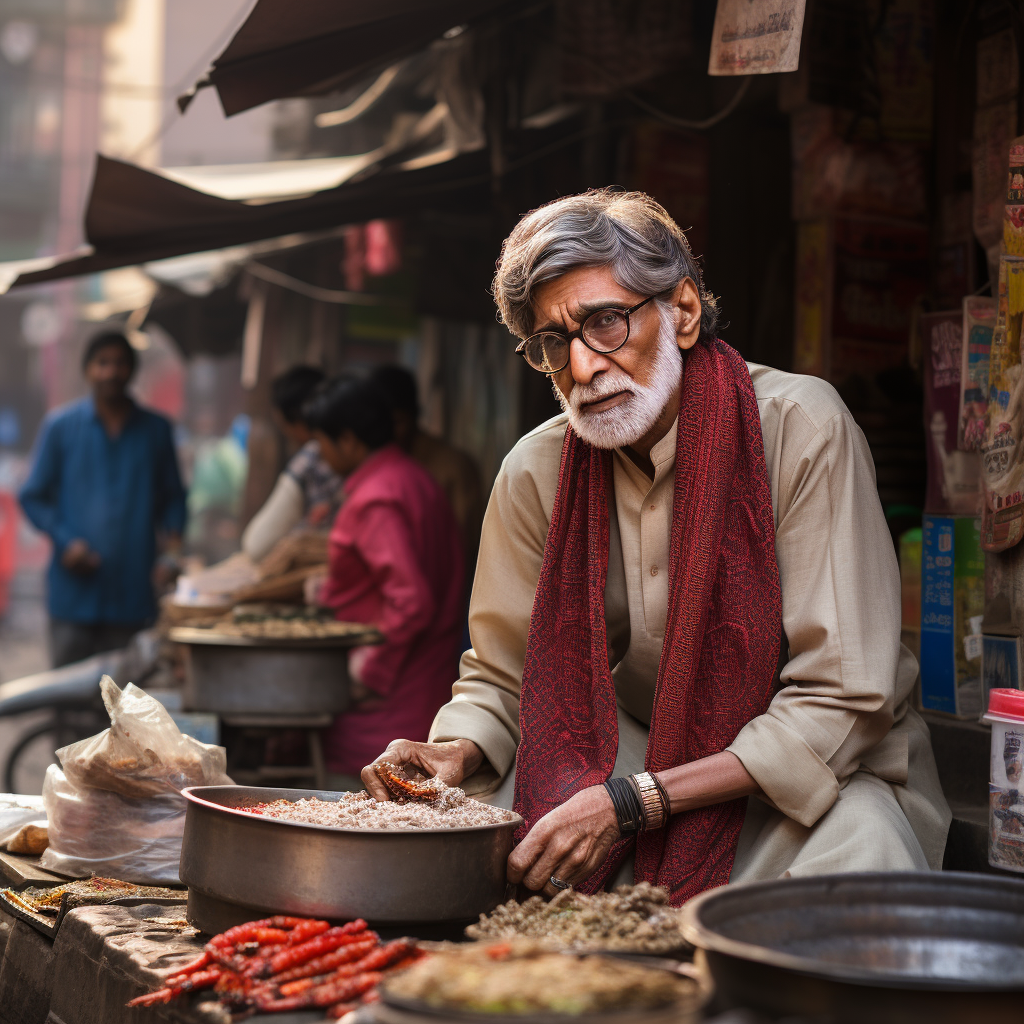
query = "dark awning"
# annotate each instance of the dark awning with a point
(136, 216)
(310, 47)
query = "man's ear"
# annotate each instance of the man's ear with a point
(686, 310)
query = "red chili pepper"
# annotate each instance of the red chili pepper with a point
(266, 1004)
(192, 966)
(190, 983)
(324, 943)
(306, 930)
(293, 988)
(346, 990)
(328, 962)
(387, 955)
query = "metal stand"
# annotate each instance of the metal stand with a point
(264, 725)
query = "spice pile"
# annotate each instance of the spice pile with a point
(453, 809)
(289, 963)
(523, 978)
(632, 918)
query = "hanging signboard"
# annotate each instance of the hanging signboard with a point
(756, 38)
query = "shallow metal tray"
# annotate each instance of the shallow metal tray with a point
(936, 947)
(400, 876)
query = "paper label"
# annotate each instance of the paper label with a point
(756, 39)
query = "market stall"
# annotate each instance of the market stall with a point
(314, 905)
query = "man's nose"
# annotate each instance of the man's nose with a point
(585, 363)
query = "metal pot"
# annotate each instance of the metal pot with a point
(245, 676)
(262, 866)
(939, 947)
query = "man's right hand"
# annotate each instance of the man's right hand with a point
(78, 557)
(451, 762)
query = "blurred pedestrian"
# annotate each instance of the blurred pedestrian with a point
(105, 487)
(308, 492)
(395, 563)
(455, 470)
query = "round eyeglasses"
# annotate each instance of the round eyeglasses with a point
(604, 331)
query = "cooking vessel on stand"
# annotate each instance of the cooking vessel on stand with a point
(258, 675)
(240, 866)
(936, 947)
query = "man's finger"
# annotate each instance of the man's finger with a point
(554, 847)
(373, 785)
(544, 867)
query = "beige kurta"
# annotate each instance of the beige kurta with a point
(840, 722)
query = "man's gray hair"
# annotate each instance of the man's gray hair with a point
(628, 232)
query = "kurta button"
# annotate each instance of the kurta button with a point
(653, 507)
(654, 570)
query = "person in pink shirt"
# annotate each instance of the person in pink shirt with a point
(395, 561)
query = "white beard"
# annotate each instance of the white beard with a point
(629, 421)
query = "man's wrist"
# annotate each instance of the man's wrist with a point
(472, 756)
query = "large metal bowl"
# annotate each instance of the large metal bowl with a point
(262, 866)
(242, 675)
(939, 947)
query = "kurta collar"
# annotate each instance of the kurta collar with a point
(133, 411)
(663, 457)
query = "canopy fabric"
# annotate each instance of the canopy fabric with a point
(277, 179)
(310, 47)
(136, 216)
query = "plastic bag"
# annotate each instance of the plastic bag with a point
(143, 753)
(116, 810)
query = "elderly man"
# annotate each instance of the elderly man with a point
(686, 617)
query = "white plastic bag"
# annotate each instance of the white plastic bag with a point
(143, 753)
(116, 810)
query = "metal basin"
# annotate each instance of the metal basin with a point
(308, 677)
(939, 947)
(400, 876)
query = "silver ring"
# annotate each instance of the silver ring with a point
(559, 884)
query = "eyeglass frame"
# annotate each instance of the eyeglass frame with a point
(570, 337)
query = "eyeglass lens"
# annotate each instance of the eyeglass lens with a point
(604, 331)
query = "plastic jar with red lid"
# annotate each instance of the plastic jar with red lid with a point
(1006, 775)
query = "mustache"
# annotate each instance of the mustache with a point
(605, 386)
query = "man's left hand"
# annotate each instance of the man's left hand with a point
(571, 842)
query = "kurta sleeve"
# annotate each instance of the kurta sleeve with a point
(841, 615)
(281, 512)
(39, 495)
(485, 700)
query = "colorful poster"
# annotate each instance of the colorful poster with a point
(952, 593)
(1013, 214)
(979, 320)
(954, 477)
(758, 38)
(1002, 451)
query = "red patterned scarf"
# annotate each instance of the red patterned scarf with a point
(722, 633)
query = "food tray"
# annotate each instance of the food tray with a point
(48, 925)
(395, 1010)
(210, 637)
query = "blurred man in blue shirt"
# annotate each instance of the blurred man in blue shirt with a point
(105, 486)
